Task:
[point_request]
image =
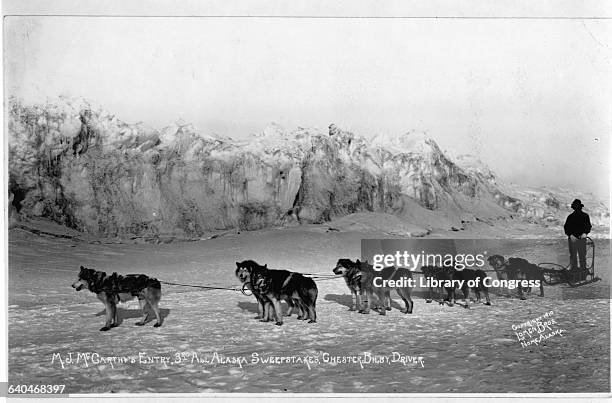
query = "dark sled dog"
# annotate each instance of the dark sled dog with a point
(359, 277)
(450, 273)
(117, 288)
(265, 309)
(470, 275)
(440, 273)
(517, 269)
(271, 286)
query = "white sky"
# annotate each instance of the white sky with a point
(531, 98)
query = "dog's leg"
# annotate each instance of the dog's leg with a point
(267, 311)
(405, 295)
(450, 295)
(477, 294)
(265, 314)
(310, 301)
(520, 292)
(428, 300)
(312, 312)
(303, 297)
(271, 316)
(375, 305)
(260, 307)
(108, 309)
(277, 308)
(290, 305)
(308, 298)
(368, 301)
(156, 311)
(116, 311)
(142, 303)
(360, 300)
(541, 285)
(486, 294)
(382, 301)
(153, 296)
(354, 298)
(302, 300)
(299, 300)
(386, 303)
(302, 313)
(295, 301)
(466, 296)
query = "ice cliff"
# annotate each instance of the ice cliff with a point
(82, 167)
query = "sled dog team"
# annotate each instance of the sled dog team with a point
(270, 287)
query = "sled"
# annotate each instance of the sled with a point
(554, 273)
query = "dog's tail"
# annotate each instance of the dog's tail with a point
(314, 293)
(308, 294)
(311, 291)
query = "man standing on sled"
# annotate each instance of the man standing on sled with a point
(576, 227)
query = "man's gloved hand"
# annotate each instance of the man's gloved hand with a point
(583, 236)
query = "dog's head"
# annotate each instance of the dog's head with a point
(85, 278)
(496, 261)
(245, 269)
(243, 273)
(344, 265)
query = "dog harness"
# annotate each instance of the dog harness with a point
(287, 280)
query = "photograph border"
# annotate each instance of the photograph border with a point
(547, 10)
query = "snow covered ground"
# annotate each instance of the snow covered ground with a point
(210, 337)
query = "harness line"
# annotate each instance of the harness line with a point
(202, 286)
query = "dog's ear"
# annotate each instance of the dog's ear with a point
(266, 265)
(237, 264)
(358, 262)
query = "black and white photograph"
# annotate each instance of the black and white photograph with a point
(313, 201)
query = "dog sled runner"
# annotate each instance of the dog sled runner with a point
(557, 274)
